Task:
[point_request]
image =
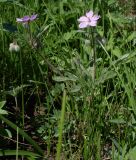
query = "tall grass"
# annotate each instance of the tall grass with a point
(96, 119)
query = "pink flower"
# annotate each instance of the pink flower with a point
(90, 19)
(26, 19)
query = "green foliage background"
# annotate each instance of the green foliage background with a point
(50, 103)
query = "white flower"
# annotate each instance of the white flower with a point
(14, 47)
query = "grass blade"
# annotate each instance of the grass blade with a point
(61, 125)
(21, 132)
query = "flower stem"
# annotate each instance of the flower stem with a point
(94, 56)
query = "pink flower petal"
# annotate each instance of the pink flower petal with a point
(83, 19)
(89, 14)
(92, 23)
(26, 18)
(95, 17)
(89, 20)
(83, 24)
(19, 20)
(33, 17)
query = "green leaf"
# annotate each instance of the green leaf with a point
(63, 79)
(117, 121)
(7, 0)
(75, 88)
(20, 153)
(3, 0)
(3, 111)
(69, 35)
(106, 75)
(121, 59)
(132, 154)
(2, 103)
(24, 134)
(131, 37)
(117, 52)
(8, 133)
(111, 2)
(17, 90)
(118, 19)
(126, 58)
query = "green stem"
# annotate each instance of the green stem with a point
(23, 134)
(17, 146)
(94, 56)
(30, 37)
(21, 70)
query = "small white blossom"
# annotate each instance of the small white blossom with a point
(14, 47)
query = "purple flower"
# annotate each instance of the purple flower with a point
(90, 19)
(27, 19)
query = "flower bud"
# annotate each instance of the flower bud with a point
(14, 47)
